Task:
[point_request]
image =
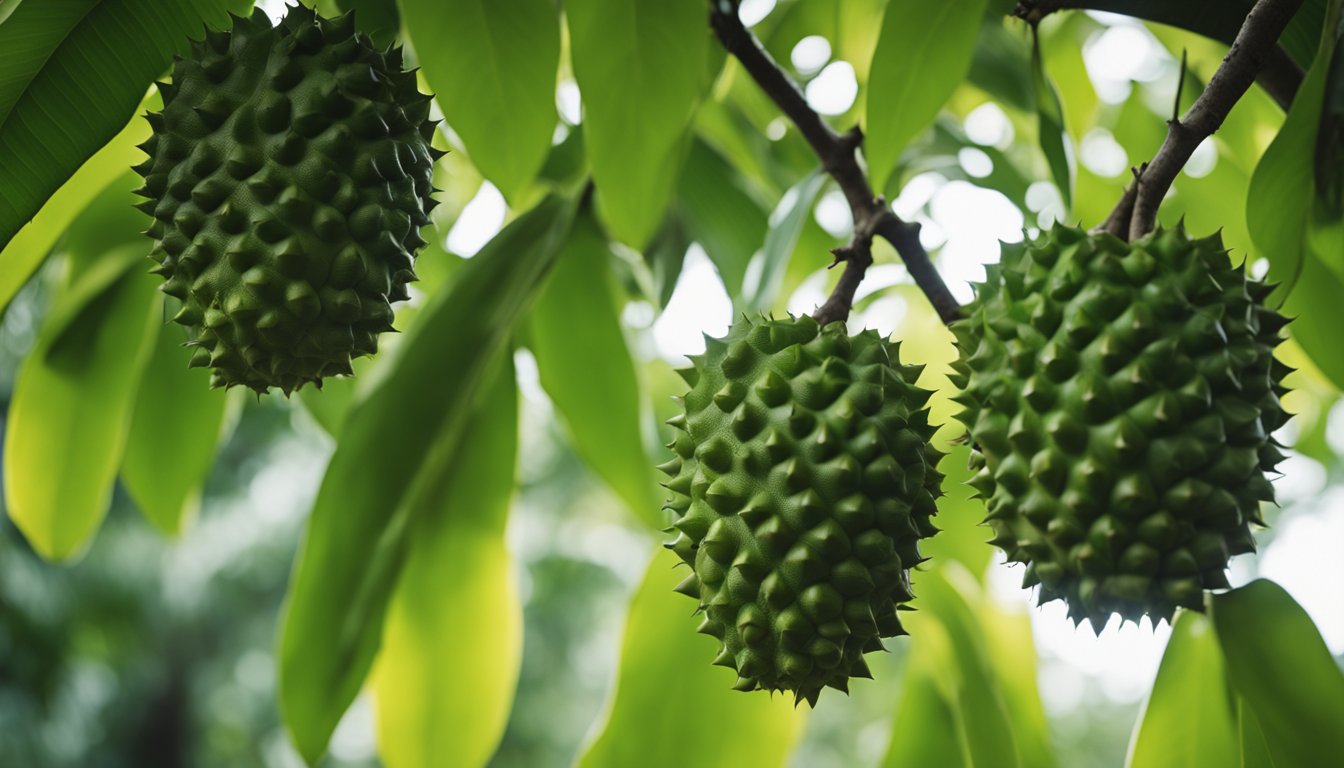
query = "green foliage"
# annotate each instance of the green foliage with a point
(495, 82)
(670, 708)
(922, 55)
(71, 82)
(452, 639)
(642, 66)
(385, 472)
(72, 406)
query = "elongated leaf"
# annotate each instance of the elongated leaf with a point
(26, 251)
(720, 214)
(672, 709)
(585, 367)
(1012, 652)
(1190, 715)
(1279, 213)
(176, 426)
(452, 640)
(492, 67)
(1051, 133)
(74, 70)
(640, 65)
(379, 19)
(72, 409)
(928, 728)
(946, 596)
(922, 55)
(354, 548)
(786, 225)
(1279, 664)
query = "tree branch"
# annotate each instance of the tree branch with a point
(838, 155)
(1280, 76)
(1249, 52)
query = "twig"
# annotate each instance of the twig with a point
(1250, 50)
(1280, 76)
(838, 155)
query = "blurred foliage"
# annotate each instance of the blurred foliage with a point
(638, 176)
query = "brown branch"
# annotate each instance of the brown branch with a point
(839, 157)
(1280, 77)
(1258, 37)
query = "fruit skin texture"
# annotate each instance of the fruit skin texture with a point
(1120, 399)
(288, 175)
(802, 483)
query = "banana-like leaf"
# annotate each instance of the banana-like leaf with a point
(585, 367)
(672, 709)
(453, 637)
(413, 418)
(640, 65)
(72, 404)
(922, 55)
(1190, 715)
(492, 66)
(1283, 671)
(73, 72)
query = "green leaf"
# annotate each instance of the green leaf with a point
(72, 407)
(946, 596)
(928, 729)
(1190, 715)
(177, 424)
(640, 65)
(453, 637)
(1051, 133)
(922, 55)
(672, 708)
(585, 367)
(378, 19)
(1280, 208)
(1279, 664)
(786, 225)
(73, 71)
(492, 67)
(414, 417)
(100, 174)
(721, 214)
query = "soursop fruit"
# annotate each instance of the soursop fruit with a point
(1120, 399)
(802, 483)
(288, 175)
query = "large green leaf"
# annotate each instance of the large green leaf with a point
(1190, 715)
(672, 708)
(492, 67)
(640, 65)
(1283, 671)
(721, 214)
(947, 596)
(453, 635)
(1280, 208)
(585, 367)
(928, 729)
(72, 404)
(176, 426)
(414, 418)
(99, 175)
(786, 226)
(922, 55)
(71, 73)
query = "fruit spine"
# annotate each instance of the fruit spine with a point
(1120, 399)
(288, 175)
(802, 483)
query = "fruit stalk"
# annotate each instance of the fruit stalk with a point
(837, 152)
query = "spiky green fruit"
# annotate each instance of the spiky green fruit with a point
(1120, 398)
(288, 175)
(802, 483)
